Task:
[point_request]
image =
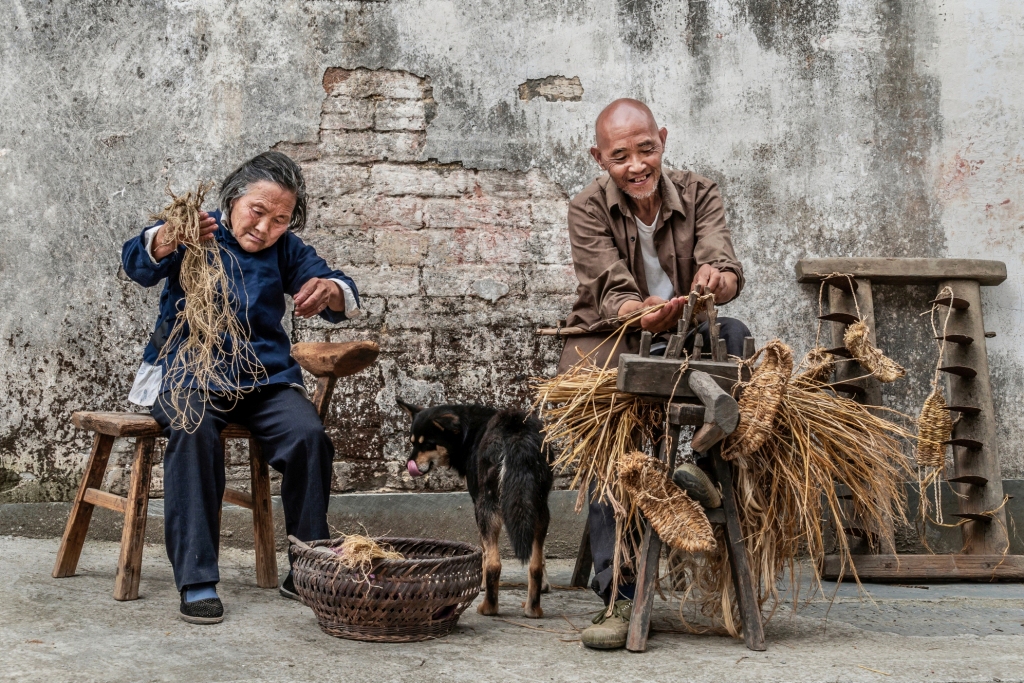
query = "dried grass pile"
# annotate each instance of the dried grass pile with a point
(358, 552)
(210, 340)
(679, 520)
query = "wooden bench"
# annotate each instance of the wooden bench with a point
(325, 361)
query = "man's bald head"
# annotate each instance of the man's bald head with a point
(629, 146)
(621, 114)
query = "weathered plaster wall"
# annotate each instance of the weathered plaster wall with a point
(442, 140)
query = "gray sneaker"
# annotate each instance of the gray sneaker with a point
(697, 485)
(609, 630)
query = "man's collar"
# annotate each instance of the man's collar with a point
(669, 197)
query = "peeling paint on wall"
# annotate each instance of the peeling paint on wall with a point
(552, 89)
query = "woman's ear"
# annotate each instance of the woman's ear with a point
(409, 408)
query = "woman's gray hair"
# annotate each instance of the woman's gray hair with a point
(275, 167)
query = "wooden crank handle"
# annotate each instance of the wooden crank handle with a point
(721, 412)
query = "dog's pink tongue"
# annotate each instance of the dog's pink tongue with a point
(413, 470)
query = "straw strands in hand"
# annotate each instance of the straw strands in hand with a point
(858, 343)
(212, 352)
(678, 519)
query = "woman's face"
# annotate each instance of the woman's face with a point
(261, 215)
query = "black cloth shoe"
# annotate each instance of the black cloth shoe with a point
(287, 588)
(207, 611)
(698, 485)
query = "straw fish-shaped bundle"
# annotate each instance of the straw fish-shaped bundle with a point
(874, 361)
(679, 520)
(934, 427)
(760, 400)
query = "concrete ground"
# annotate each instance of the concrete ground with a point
(72, 630)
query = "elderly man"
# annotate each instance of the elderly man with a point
(642, 235)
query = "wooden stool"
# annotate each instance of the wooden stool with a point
(325, 361)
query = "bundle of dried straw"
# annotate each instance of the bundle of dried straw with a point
(798, 449)
(358, 552)
(212, 352)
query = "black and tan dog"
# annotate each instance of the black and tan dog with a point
(500, 454)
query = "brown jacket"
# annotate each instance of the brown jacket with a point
(606, 254)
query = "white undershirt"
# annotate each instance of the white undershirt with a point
(149, 378)
(658, 282)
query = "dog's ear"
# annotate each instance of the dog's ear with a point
(409, 408)
(447, 422)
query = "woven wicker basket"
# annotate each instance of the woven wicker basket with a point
(396, 601)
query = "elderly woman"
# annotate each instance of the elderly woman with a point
(262, 202)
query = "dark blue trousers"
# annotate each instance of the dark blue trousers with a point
(292, 441)
(601, 516)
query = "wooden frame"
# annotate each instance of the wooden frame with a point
(976, 461)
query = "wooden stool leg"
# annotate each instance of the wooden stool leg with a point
(647, 569)
(750, 612)
(584, 560)
(129, 565)
(81, 512)
(262, 518)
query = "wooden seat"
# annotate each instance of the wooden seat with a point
(325, 361)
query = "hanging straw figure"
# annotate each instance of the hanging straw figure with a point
(210, 340)
(934, 426)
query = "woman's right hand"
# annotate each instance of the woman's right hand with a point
(163, 248)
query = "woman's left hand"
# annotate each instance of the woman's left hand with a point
(316, 295)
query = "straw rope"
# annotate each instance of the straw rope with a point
(934, 425)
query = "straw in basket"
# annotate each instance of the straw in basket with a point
(392, 600)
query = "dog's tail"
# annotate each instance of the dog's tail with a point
(525, 479)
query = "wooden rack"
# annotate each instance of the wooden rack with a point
(965, 364)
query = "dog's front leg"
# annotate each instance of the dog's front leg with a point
(492, 566)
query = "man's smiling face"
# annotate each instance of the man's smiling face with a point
(630, 147)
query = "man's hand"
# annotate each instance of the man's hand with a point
(721, 283)
(207, 226)
(316, 295)
(659, 321)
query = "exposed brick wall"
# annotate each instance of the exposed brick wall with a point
(457, 267)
